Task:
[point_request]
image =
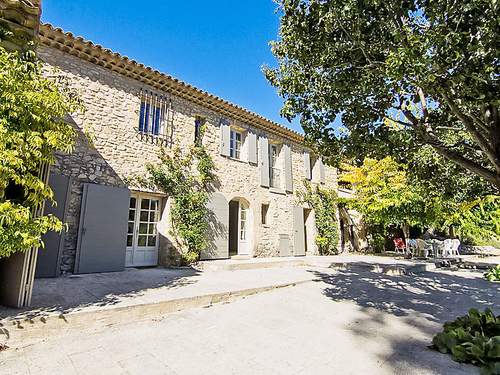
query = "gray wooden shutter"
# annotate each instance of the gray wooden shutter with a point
(264, 161)
(288, 168)
(224, 138)
(14, 275)
(307, 166)
(48, 260)
(299, 240)
(102, 236)
(321, 171)
(218, 234)
(252, 147)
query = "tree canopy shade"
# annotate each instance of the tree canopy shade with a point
(32, 128)
(426, 70)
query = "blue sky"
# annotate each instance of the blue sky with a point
(218, 46)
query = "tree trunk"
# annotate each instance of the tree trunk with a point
(406, 232)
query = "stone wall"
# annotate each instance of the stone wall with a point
(109, 151)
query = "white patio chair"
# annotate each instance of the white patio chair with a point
(447, 247)
(429, 249)
(455, 245)
(420, 250)
(411, 247)
(438, 247)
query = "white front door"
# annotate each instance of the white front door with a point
(142, 236)
(243, 226)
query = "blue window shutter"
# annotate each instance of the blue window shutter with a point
(146, 118)
(141, 116)
(156, 127)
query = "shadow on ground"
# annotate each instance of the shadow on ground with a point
(405, 312)
(69, 294)
(438, 296)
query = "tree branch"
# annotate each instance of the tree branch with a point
(459, 159)
(405, 124)
(423, 103)
(469, 125)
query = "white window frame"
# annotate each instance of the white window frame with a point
(275, 170)
(235, 145)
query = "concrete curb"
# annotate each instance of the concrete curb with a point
(25, 331)
(387, 269)
(214, 267)
(390, 269)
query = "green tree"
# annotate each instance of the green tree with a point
(397, 72)
(32, 128)
(384, 195)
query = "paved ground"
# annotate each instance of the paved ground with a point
(84, 293)
(347, 322)
(132, 287)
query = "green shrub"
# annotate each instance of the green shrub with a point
(473, 338)
(187, 178)
(493, 274)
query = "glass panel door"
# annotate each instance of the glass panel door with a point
(243, 248)
(148, 217)
(142, 235)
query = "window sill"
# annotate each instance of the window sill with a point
(237, 160)
(153, 138)
(277, 191)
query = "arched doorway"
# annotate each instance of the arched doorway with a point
(240, 227)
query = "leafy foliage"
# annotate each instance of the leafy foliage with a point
(493, 274)
(477, 221)
(384, 195)
(387, 193)
(473, 338)
(32, 128)
(324, 204)
(400, 75)
(190, 189)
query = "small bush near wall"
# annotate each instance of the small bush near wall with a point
(188, 179)
(324, 204)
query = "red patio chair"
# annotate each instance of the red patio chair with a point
(399, 245)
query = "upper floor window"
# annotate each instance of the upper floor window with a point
(274, 170)
(155, 115)
(198, 128)
(235, 144)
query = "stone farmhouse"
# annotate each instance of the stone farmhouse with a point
(131, 111)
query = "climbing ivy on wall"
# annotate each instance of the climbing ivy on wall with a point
(32, 128)
(188, 179)
(324, 204)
